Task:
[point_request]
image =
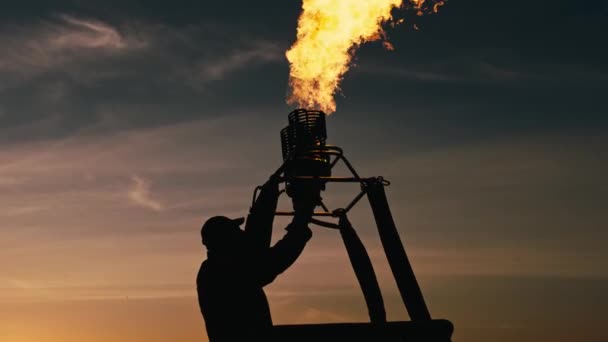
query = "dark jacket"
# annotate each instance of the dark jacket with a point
(230, 293)
(231, 297)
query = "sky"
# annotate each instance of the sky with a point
(125, 124)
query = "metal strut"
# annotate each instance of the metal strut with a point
(395, 253)
(364, 270)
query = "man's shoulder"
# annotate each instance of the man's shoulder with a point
(203, 271)
(211, 269)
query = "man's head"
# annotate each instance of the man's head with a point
(222, 235)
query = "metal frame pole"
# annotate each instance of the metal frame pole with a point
(395, 253)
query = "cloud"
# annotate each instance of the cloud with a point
(86, 48)
(74, 71)
(468, 206)
(58, 42)
(45, 182)
(259, 52)
(88, 33)
(140, 195)
(486, 70)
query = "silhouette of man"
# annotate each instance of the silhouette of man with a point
(241, 262)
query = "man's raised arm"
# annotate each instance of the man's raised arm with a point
(261, 216)
(285, 252)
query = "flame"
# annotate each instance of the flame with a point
(329, 32)
(419, 3)
(387, 45)
(437, 5)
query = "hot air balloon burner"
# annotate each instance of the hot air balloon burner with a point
(307, 158)
(305, 154)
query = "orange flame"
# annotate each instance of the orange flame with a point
(437, 5)
(329, 32)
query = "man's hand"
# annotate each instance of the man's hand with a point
(261, 215)
(306, 197)
(271, 185)
(303, 214)
(269, 193)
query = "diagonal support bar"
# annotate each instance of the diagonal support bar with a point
(395, 253)
(362, 265)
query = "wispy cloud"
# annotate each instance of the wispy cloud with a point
(53, 43)
(88, 33)
(484, 71)
(140, 194)
(65, 42)
(65, 61)
(259, 52)
(45, 182)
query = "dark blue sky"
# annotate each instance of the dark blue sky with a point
(484, 69)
